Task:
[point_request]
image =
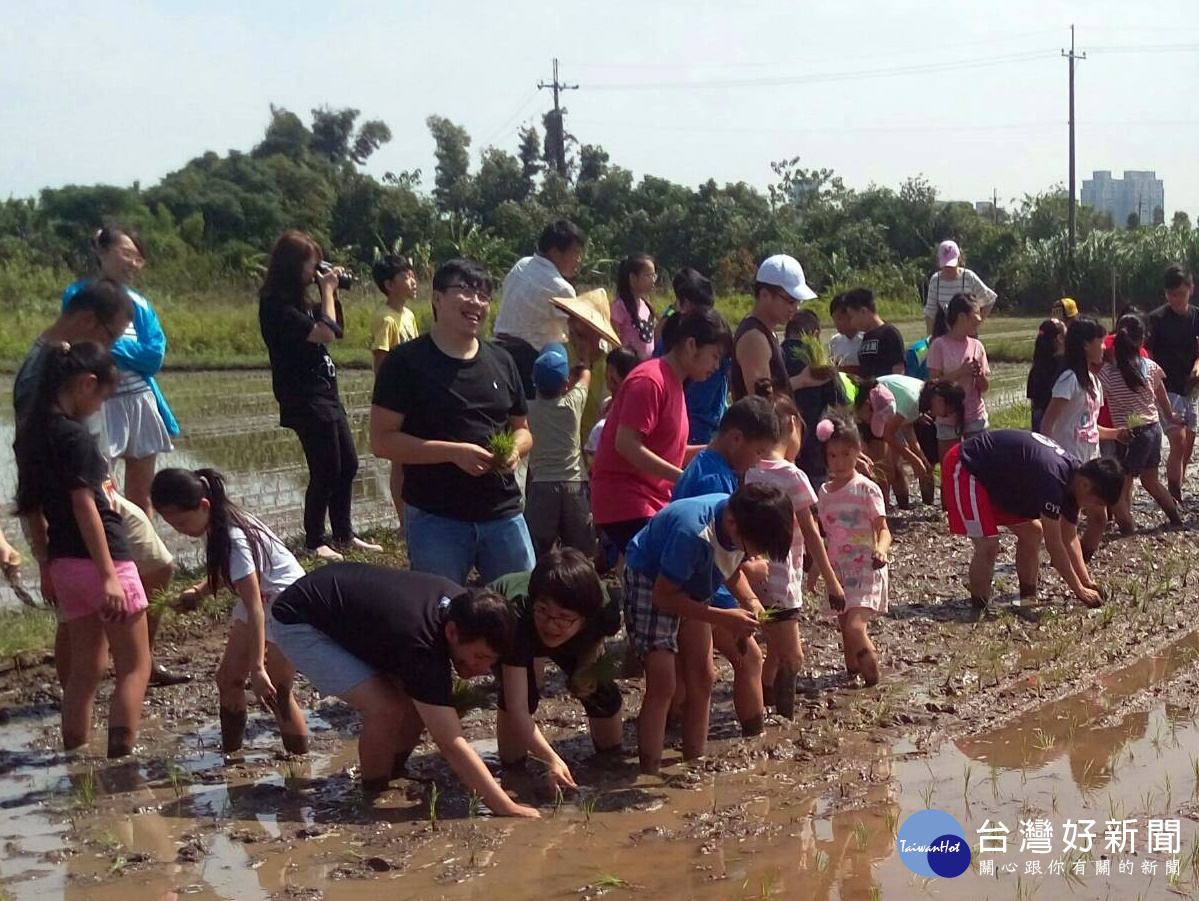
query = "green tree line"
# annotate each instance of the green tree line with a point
(209, 224)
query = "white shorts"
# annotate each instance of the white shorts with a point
(135, 427)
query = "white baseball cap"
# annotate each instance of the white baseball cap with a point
(785, 272)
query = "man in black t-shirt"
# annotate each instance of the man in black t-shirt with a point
(439, 400)
(882, 351)
(1027, 483)
(1174, 345)
(387, 642)
(560, 611)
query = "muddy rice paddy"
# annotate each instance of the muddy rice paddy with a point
(1056, 713)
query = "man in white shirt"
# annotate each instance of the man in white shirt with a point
(527, 321)
(843, 347)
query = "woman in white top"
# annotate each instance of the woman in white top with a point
(953, 278)
(248, 558)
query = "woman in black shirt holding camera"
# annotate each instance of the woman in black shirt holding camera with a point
(305, 384)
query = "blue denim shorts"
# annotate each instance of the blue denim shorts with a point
(451, 547)
(326, 664)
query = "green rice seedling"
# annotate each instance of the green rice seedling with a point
(603, 670)
(1042, 740)
(769, 887)
(467, 696)
(861, 836)
(822, 862)
(876, 892)
(768, 615)
(892, 820)
(179, 777)
(118, 866)
(502, 446)
(559, 798)
(1136, 420)
(587, 805)
(967, 778)
(995, 773)
(927, 794)
(434, 794)
(83, 789)
(608, 880)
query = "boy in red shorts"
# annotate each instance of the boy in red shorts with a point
(1026, 483)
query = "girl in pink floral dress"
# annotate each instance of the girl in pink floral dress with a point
(855, 525)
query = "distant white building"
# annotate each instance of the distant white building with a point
(1142, 193)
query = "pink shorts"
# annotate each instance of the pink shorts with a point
(80, 590)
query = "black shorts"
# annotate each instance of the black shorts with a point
(621, 533)
(601, 702)
(1143, 452)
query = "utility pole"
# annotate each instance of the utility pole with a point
(1072, 57)
(560, 149)
(994, 206)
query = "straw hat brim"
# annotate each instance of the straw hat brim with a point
(590, 308)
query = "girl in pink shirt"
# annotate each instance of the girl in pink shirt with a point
(632, 316)
(643, 446)
(782, 592)
(957, 355)
(855, 526)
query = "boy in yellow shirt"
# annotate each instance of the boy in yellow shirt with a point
(393, 324)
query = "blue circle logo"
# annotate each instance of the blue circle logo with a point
(933, 843)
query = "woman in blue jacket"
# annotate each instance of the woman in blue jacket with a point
(138, 423)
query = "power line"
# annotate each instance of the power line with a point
(529, 98)
(809, 58)
(822, 78)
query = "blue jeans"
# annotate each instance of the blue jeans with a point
(450, 547)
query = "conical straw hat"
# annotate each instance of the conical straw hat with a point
(591, 308)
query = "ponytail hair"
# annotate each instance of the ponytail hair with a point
(784, 407)
(62, 364)
(634, 262)
(104, 238)
(953, 394)
(1045, 346)
(184, 490)
(835, 427)
(1081, 331)
(1126, 349)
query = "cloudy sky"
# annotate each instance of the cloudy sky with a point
(971, 94)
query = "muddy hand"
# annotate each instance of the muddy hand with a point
(836, 602)
(559, 777)
(265, 689)
(878, 559)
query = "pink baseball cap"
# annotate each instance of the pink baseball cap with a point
(948, 253)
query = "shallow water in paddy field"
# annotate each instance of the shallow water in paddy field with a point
(179, 824)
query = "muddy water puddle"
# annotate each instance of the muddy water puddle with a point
(751, 822)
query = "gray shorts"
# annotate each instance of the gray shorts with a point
(328, 666)
(559, 511)
(973, 427)
(1184, 407)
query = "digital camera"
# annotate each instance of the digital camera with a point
(344, 279)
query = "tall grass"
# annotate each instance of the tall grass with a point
(26, 630)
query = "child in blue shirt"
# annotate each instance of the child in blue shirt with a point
(748, 430)
(673, 566)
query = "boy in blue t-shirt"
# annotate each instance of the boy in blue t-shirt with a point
(673, 566)
(748, 430)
